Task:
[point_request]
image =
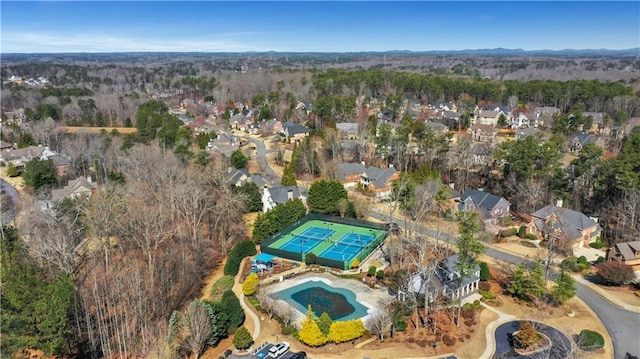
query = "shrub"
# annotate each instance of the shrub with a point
(242, 339)
(288, 330)
(570, 264)
(589, 340)
(583, 259)
(230, 305)
(372, 271)
(341, 332)
(615, 273)
(484, 272)
(238, 253)
(380, 275)
(531, 236)
(250, 284)
(600, 260)
(484, 286)
(597, 244)
(487, 295)
(448, 340)
(310, 258)
(508, 232)
(400, 324)
(526, 336)
(522, 231)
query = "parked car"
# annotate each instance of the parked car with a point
(278, 349)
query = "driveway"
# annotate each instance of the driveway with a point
(265, 167)
(591, 254)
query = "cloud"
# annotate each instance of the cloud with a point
(39, 42)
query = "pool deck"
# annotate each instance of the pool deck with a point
(370, 298)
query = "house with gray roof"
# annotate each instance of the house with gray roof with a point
(294, 131)
(237, 177)
(486, 118)
(379, 181)
(348, 129)
(577, 141)
(282, 194)
(492, 208)
(483, 133)
(523, 133)
(627, 253)
(350, 173)
(79, 188)
(446, 283)
(437, 127)
(571, 227)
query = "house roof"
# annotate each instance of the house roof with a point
(235, 174)
(59, 160)
(294, 128)
(449, 265)
(547, 109)
(531, 131)
(488, 114)
(347, 169)
(570, 222)
(598, 117)
(27, 153)
(379, 176)
(80, 183)
(450, 115)
(347, 127)
(628, 250)
(280, 194)
(483, 128)
(504, 109)
(4, 145)
(480, 149)
(584, 138)
(258, 180)
(481, 199)
(436, 126)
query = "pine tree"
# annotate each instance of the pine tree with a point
(324, 323)
(565, 288)
(536, 284)
(288, 177)
(242, 339)
(518, 282)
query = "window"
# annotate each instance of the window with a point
(533, 229)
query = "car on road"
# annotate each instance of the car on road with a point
(277, 350)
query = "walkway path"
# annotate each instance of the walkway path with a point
(491, 329)
(237, 289)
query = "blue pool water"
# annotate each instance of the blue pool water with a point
(339, 303)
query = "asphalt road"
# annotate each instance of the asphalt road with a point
(261, 155)
(623, 325)
(10, 198)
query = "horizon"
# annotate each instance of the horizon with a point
(316, 27)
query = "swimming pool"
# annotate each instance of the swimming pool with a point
(339, 303)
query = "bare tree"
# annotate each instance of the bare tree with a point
(378, 323)
(285, 312)
(194, 328)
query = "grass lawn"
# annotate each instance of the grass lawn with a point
(222, 285)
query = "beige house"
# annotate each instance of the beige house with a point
(571, 227)
(79, 188)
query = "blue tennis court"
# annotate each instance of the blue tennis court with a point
(304, 242)
(347, 247)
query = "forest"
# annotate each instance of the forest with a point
(102, 278)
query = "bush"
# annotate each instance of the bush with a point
(288, 330)
(589, 340)
(571, 264)
(372, 271)
(522, 231)
(597, 244)
(508, 232)
(531, 236)
(250, 284)
(400, 324)
(526, 336)
(583, 259)
(600, 260)
(484, 272)
(242, 339)
(448, 340)
(341, 332)
(238, 253)
(487, 295)
(615, 273)
(380, 275)
(230, 306)
(310, 258)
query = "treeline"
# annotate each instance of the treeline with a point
(595, 95)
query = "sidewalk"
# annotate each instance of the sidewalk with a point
(237, 289)
(491, 329)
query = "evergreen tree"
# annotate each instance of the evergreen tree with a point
(310, 332)
(518, 282)
(536, 284)
(39, 174)
(288, 176)
(565, 288)
(324, 323)
(324, 196)
(242, 339)
(238, 159)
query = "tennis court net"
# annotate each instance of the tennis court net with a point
(307, 238)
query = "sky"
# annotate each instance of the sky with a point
(313, 26)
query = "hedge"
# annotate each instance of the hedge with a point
(238, 253)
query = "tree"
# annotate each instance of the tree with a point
(238, 159)
(253, 197)
(202, 158)
(11, 170)
(39, 174)
(469, 247)
(242, 339)
(518, 282)
(250, 284)
(324, 323)
(310, 332)
(342, 206)
(502, 121)
(372, 271)
(378, 323)
(564, 289)
(230, 304)
(324, 196)
(277, 219)
(536, 286)
(193, 329)
(484, 272)
(288, 176)
(615, 273)
(26, 140)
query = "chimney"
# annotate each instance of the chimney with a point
(559, 202)
(289, 195)
(363, 164)
(229, 169)
(452, 185)
(390, 165)
(89, 179)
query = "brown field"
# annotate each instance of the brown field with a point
(123, 130)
